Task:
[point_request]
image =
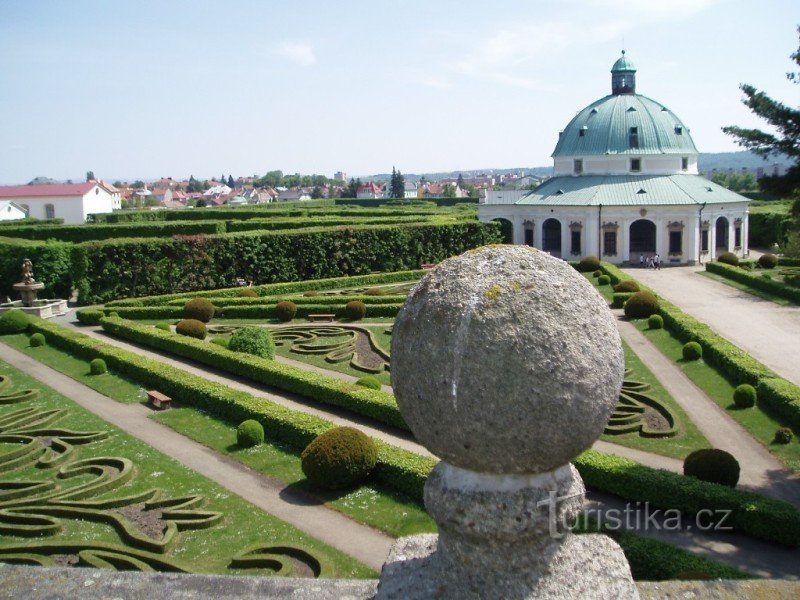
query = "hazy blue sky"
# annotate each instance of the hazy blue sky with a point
(168, 88)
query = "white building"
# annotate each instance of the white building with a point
(625, 185)
(73, 202)
(11, 211)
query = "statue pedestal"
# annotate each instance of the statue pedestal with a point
(28, 292)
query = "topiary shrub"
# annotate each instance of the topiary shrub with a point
(285, 310)
(375, 291)
(589, 264)
(164, 326)
(767, 261)
(766, 276)
(192, 328)
(641, 305)
(355, 310)
(368, 381)
(247, 292)
(37, 339)
(783, 435)
(712, 465)
(597, 273)
(199, 309)
(221, 341)
(13, 321)
(629, 285)
(114, 314)
(89, 316)
(655, 322)
(249, 433)
(692, 351)
(603, 280)
(253, 340)
(729, 258)
(744, 396)
(339, 458)
(98, 366)
(309, 293)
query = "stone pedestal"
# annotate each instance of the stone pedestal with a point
(28, 292)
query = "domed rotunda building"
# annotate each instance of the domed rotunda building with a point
(625, 185)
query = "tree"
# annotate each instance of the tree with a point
(786, 139)
(351, 189)
(316, 193)
(201, 203)
(138, 184)
(231, 182)
(117, 184)
(449, 191)
(460, 181)
(397, 185)
(90, 176)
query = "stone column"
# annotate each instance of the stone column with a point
(506, 363)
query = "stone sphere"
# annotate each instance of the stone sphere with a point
(506, 360)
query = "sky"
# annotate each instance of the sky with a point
(173, 88)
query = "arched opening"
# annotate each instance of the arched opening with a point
(642, 239)
(551, 237)
(506, 230)
(49, 211)
(722, 234)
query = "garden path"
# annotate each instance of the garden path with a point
(364, 543)
(768, 331)
(361, 542)
(760, 471)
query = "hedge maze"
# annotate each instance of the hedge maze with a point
(53, 481)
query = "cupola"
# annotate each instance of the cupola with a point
(623, 76)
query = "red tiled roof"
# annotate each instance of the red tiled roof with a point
(54, 189)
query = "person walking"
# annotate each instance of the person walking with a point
(657, 262)
(641, 261)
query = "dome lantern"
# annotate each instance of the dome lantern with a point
(623, 76)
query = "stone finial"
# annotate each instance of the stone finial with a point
(506, 363)
(506, 360)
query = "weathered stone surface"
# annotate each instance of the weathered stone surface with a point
(579, 566)
(506, 360)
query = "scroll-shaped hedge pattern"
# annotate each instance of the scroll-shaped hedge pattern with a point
(638, 412)
(349, 343)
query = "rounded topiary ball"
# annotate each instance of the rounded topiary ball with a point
(247, 292)
(339, 458)
(192, 328)
(783, 435)
(220, 341)
(249, 433)
(309, 293)
(692, 351)
(506, 360)
(729, 258)
(375, 291)
(368, 381)
(355, 310)
(744, 396)
(767, 261)
(200, 309)
(597, 273)
(628, 285)
(37, 339)
(713, 465)
(13, 321)
(253, 340)
(603, 280)
(589, 264)
(98, 366)
(285, 310)
(641, 305)
(164, 326)
(655, 322)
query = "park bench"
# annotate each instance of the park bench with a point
(428, 265)
(316, 318)
(158, 400)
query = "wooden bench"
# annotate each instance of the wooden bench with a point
(316, 318)
(158, 400)
(428, 265)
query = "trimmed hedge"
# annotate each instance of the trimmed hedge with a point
(285, 310)
(355, 310)
(314, 298)
(89, 316)
(190, 328)
(771, 286)
(253, 340)
(339, 458)
(641, 305)
(13, 321)
(713, 465)
(253, 311)
(200, 309)
(86, 233)
(781, 398)
(618, 299)
(375, 404)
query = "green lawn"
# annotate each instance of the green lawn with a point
(241, 526)
(367, 504)
(760, 425)
(746, 288)
(113, 386)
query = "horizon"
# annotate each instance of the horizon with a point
(178, 88)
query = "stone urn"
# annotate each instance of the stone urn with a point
(506, 364)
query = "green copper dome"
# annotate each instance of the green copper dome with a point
(623, 64)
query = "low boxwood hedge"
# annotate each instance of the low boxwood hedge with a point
(89, 316)
(250, 311)
(772, 286)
